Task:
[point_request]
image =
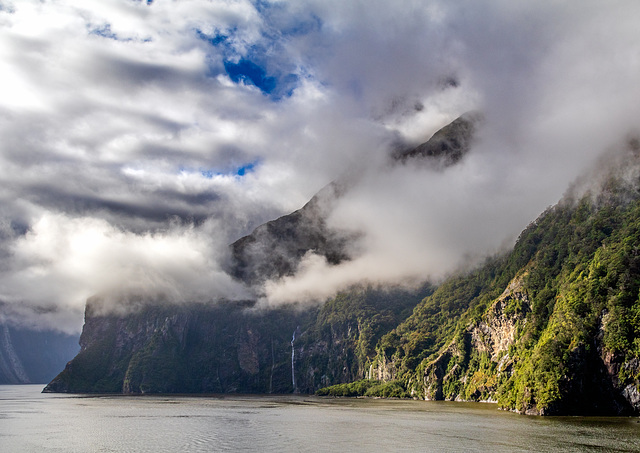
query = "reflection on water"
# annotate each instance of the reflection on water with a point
(35, 422)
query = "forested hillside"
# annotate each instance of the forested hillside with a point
(551, 327)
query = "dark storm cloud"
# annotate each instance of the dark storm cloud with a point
(186, 207)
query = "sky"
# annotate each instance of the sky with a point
(139, 138)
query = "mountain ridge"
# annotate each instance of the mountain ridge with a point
(551, 327)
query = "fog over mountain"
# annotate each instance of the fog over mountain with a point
(140, 139)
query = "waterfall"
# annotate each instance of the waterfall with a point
(273, 365)
(293, 357)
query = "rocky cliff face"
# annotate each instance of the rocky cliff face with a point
(232, 347)
(503, 322)
(11, 369)
(184, 349)
(495, 358)
(339, 344)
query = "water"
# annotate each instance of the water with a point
(35, 422)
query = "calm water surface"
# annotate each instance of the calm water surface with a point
(35, 422)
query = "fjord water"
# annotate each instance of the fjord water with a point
(35, 422)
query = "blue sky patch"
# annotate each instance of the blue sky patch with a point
(248, 168)
(248, 72)
(275, 86)
(104, 31)
(214, 40)
(242, 170)
(250, 66)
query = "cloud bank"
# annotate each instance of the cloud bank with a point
(139, 138)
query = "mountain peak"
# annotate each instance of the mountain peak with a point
(448, 145)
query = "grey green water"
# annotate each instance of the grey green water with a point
(35, 422)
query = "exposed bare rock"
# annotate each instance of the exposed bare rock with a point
(624, 374)
(447, 146)
(498, 329)
(383, 370)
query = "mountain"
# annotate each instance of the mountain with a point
(274, 250)
(29, 356)
(183, 349)
(231, 347)
(552, 327)
(332, 341)
(447, 146)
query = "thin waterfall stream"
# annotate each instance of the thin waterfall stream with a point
(293, 358)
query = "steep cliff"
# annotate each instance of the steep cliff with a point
(551, 327)
(192, 348)
(232, 347)
(11, 368)
(339, 344)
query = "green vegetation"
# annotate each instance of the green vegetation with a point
(366, 387)
(341, 342)
(574, 316)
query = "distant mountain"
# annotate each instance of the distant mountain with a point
(552, 327)
(275, 249)
(30, 356)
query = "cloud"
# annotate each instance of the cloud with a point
(556, 86)
(63, 261)
(131, 120)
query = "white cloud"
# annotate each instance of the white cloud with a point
(62, 261)
(113, 114)
(557, 86)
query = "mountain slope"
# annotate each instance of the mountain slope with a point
(552, 327)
